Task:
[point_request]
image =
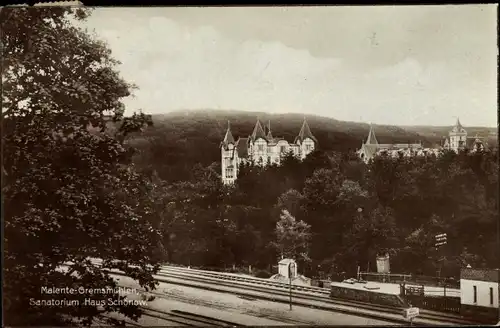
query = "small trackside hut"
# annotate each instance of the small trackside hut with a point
(479, 292)
(283, 268)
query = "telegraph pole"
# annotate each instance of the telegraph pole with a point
(291, 270)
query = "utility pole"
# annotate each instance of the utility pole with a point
(291, 271)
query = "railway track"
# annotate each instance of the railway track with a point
(301, 294)
(188, 318)
(278, 290)
(173, 318)
(260, 281)
(314, 290)
(185, 277)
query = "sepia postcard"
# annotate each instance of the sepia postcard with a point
(250, 166)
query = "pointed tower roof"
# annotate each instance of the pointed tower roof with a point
(305, 132)
(371, 140)
(269, 134)
(258, 131)
(228, 138)
(458, 127)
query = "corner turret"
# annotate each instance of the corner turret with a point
(229, 157)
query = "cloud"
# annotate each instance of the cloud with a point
(198, 67)
(190, 66)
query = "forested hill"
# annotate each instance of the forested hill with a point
(179, 140)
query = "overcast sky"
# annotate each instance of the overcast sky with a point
(403, 65)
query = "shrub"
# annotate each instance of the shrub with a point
(263, 274)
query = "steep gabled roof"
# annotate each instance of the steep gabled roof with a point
(372, 140)
(474, 142)
(258, 131)
(305, 132)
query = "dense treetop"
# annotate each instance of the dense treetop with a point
(69, 193)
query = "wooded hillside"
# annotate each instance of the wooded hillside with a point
(182, 139)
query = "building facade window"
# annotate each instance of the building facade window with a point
(283, 149)
(229, 173)
(491, 295)
(475, 294)
(261, 148)
(308, 147)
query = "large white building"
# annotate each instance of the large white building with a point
(261, 148)
(457, 140)
(479, 292)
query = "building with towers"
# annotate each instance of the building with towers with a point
(371, 148)
(261, 148)
(457, 140)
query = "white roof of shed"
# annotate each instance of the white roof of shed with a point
(287, 261)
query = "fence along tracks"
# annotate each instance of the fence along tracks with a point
(301, 294)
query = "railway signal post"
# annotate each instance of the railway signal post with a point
(441, 240)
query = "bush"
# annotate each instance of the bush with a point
(263, 274)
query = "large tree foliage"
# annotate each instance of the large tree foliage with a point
(69, 188)
(292, 237)
(370, 235)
